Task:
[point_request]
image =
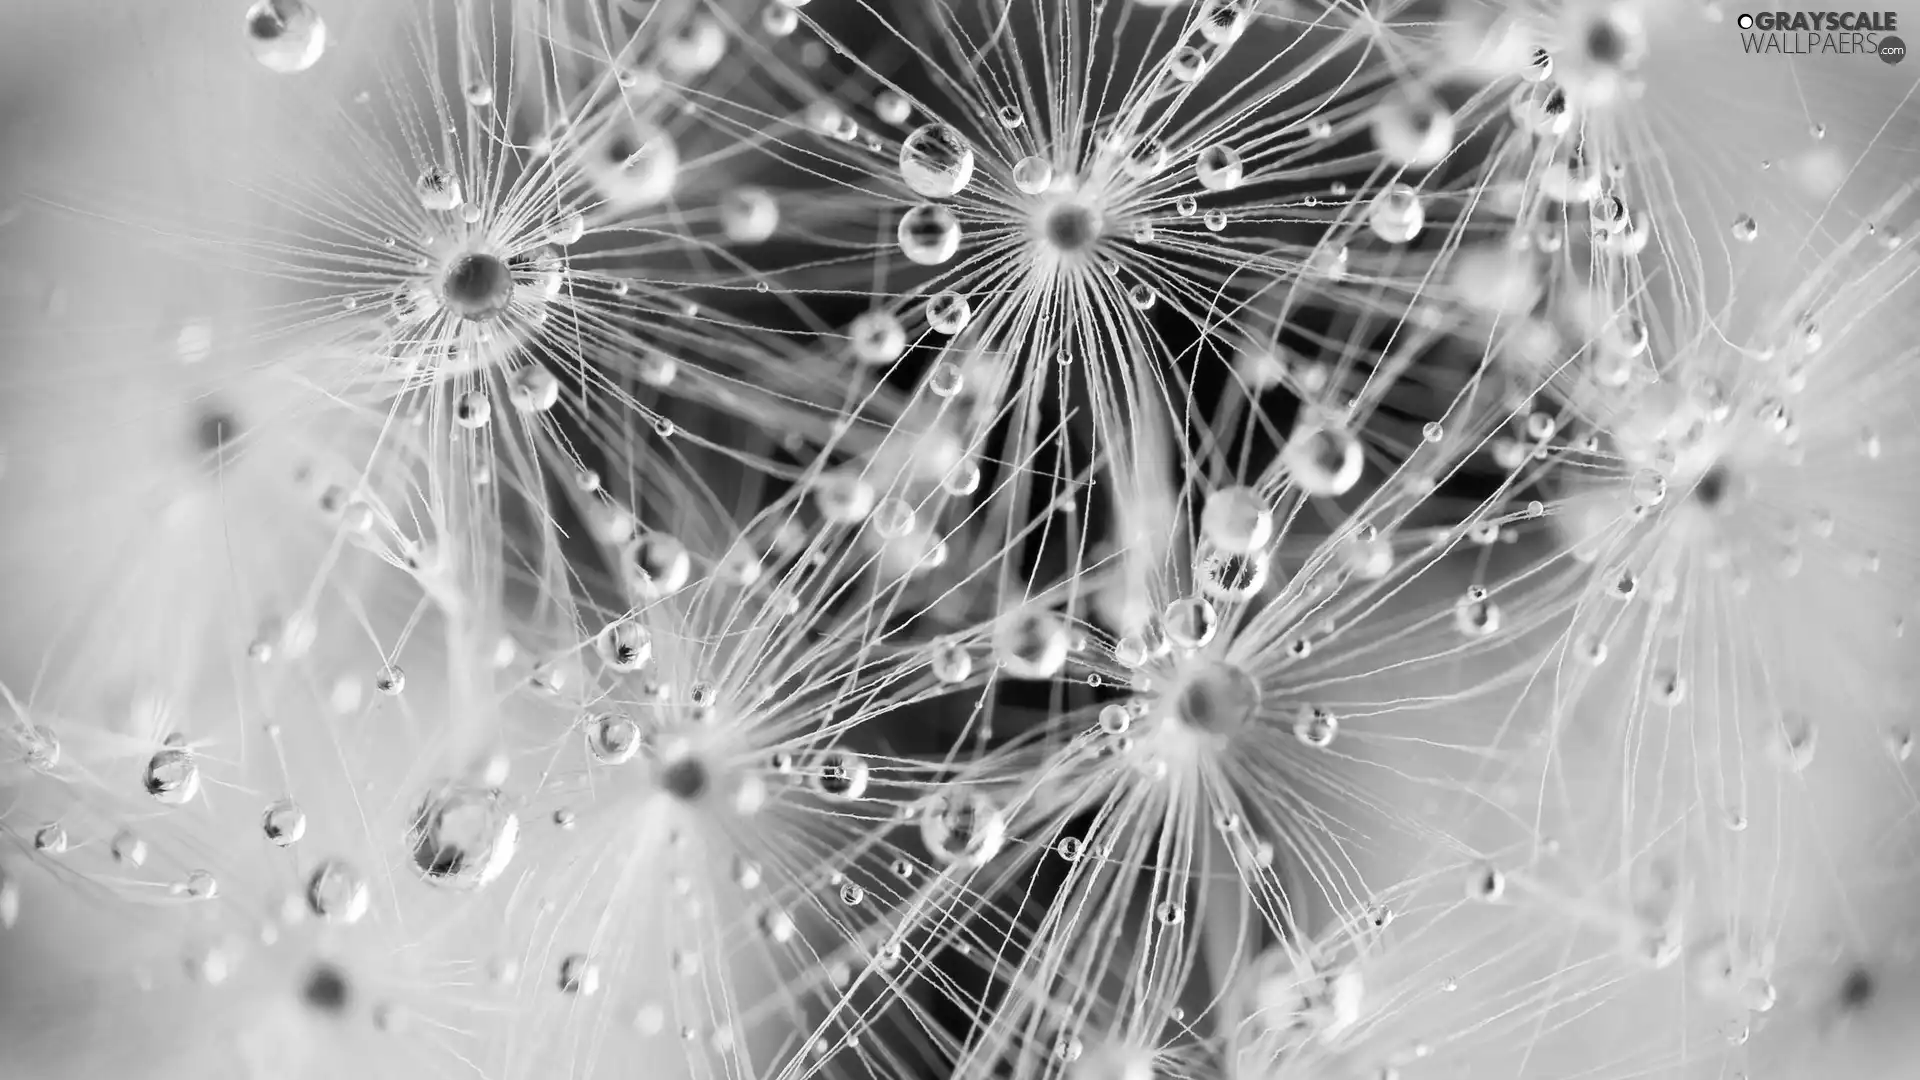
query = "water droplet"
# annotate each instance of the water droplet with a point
(936, 162)
(1396, 214)
(1412, 127)
(438, 189)
(1033, 175)
(1315, 727)
(1323, 460)
(580, 976)
(842, 775)
(962, 827)
(127, 847)
(1476, 615)
(949, 313)
(612, 738)
(656, 564)
(173, 775)
(630, 162)
(1648, 488)
(951, 663)
(1186, 64)
(891, 107)
(1485, 882)
(929, 234)
(286, 36)
(1219, 168)
(283, 823)
(1237, 520)
(1191, 622)
(51, 839)
(1223, 21)
(1032, 643)
(876, 338)
(338, 893)
(533, 389)
(624, 645)
(463, 836)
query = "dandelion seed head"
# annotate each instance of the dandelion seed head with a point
(1068, 224)
(1213, 697)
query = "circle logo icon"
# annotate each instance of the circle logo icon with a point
(1892, 50)
(1745, 22)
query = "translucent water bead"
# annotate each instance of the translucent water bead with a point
(936, 162)
(286, 36)
(1237, 520)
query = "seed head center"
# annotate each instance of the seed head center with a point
(476, 286)
(1071, 226)
(1215, 697)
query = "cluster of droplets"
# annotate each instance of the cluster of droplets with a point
(875, 663)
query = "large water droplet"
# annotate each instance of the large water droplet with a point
(338, 893)
(173, 775)
(463, 836)
(286, 36)
(936, 162)
(963, 827)
(283, 823)
(929, 234)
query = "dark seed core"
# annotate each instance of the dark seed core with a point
(684, 778)
(477, 286)
(1856, 989)
(1071, 227)
(215, 431)
(1605, 43)
(1712, 489)
(326, 989)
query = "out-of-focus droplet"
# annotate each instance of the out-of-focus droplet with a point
(749, 215)
(876, 338)
(1237, 520)
(962, 827)
(1412, 127)
(951, 663)
(1323, 460)
(579, 975)
(1396, 214)
(1032, 643)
